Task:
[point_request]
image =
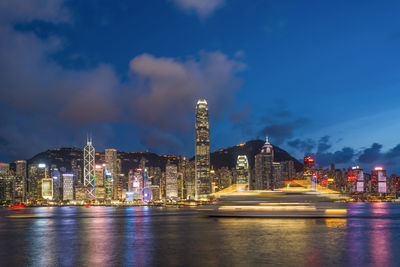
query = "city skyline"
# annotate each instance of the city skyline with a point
(274, 79)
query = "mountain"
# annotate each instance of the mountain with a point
(227, 157)
(63, 157)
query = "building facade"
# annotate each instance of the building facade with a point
(202, 151)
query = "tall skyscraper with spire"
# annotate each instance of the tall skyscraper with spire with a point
(88, 169)
(264, 167)
(202, 151)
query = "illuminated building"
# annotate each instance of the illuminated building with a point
(202, 151)
(36, 172)
(171, 188)
(68, 187)
(289, 172)
(88, 170)
(309, 168)
(155, 192)
(4, 167)
(108, 184)
(112, 168)
(378, 180)
(47, 188)
(99, 177)
(223, 178)
(189, 180)
(7, 184)
(263, 167)
(242, 170)
(55, 175)
(135, 184)
(20, 180)
(355, 180)
(277, 174)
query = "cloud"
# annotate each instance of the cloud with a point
(202, 8)
(305, 146)
(372, 154)
(323, 144)
(169, 88)
(49, 105)
(53, 11)
(281, 125)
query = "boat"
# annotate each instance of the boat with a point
(18, 206)
(87, 205)
(287, 203)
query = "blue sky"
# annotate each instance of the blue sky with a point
(317, 77)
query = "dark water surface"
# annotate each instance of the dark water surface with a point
(143, 236)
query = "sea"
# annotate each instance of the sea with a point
(167, 236)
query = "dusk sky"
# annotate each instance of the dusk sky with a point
(320, 77)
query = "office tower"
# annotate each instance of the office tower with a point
(353, 179)
(55, 175)
(47, 188)
(171, 188)
(289, 172)
(223, 178)
(263, 167)
(88, 170)
(242, 170)
(202, 151)
(20, 180)
(7, 184)
(309, 168)
(189, 180)
(68, 186)
(4, 167)
(277, 175)
(378, 180)
(36, 172)
(99, 177)
(112, 169)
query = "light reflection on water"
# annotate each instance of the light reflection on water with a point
(143, 236)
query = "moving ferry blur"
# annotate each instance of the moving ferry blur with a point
(297, 203)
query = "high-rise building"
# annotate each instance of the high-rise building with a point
(7, 183)
(68, 186)
(99, 176)
(47, 188)
(353, 179)
(309, 168)
(20, 180)
(55, 175)
(378, 180)
(88, 170)
(189, 180)
(242, 170)
(202, 151)
(4, 167)
(263, 167)
(171, 188)
(112, 168)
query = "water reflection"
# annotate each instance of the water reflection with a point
(43, 249)
(379, 243)
(107, 236)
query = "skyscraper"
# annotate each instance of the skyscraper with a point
(88, 169)
(68, 186)
(171, 188)
(242, 170)
(202, 151)
(112, 168)
(264, 167)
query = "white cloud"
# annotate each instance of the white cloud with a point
(203, 8)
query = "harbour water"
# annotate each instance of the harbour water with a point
(144, 236)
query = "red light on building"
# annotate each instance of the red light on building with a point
(378, 168)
